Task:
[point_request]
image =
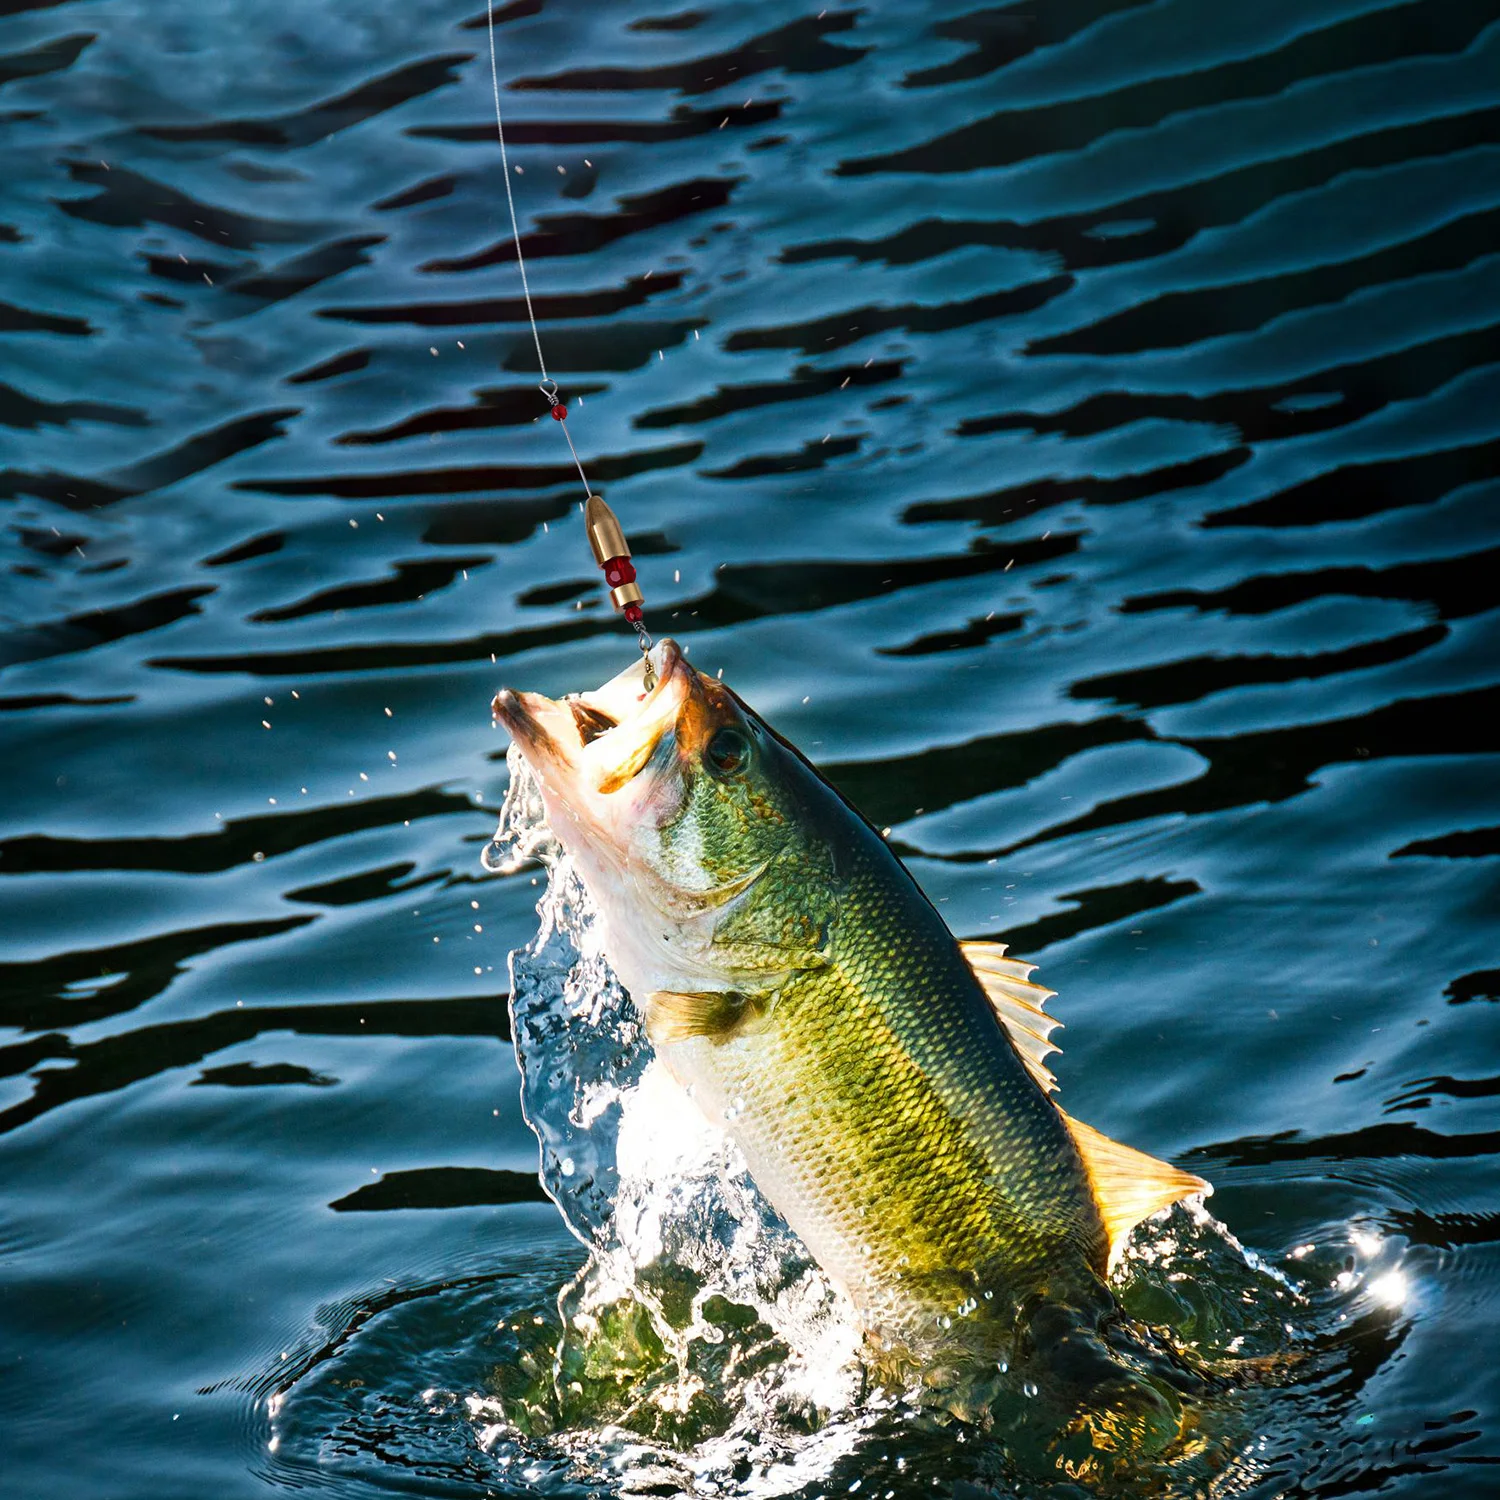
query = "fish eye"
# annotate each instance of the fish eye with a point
(727, 752)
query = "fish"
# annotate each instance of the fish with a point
(887, 1085)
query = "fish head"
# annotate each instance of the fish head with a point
(675, 802)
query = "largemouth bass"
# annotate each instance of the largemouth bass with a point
(886, 1083)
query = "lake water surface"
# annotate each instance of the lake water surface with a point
(1076, 425)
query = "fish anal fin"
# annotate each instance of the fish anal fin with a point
(1128, 1185)
(1017, 1003)
(717, 1015)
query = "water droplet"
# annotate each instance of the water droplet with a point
(1028, 1388)
(567, 1166)
(493, 857)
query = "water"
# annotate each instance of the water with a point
(1075, 426)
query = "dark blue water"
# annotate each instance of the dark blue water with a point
(1075, 424)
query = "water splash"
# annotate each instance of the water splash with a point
(522, 833)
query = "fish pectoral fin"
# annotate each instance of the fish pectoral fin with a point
(1128, 1185)
(1017, 1003)
(718, 1015)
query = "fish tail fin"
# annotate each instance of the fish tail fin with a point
(1128, 1185)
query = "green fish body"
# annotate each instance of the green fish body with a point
(884, 1082)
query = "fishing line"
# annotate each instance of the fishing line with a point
(606, 538)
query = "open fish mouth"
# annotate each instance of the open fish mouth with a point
(591, 745)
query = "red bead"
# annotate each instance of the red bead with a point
(559, 412)
(619, 570)
(633, 613)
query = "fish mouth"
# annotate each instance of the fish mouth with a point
(591, 745)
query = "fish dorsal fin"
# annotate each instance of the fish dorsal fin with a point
(1128, 1185)
(1018, 1003)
